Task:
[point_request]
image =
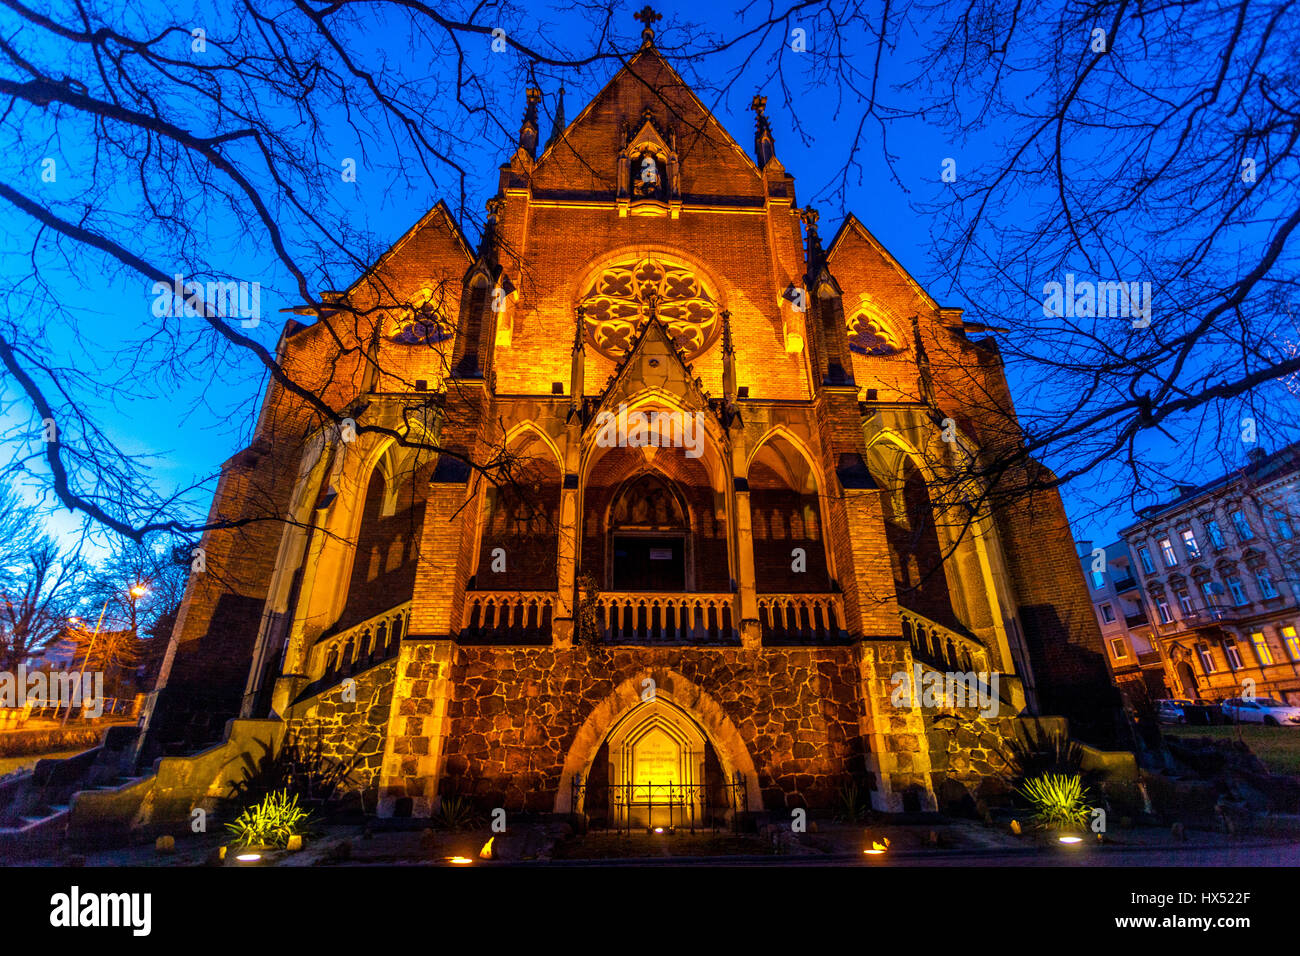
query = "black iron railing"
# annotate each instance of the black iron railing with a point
(715, 805)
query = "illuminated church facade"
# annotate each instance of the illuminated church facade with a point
(722, 539)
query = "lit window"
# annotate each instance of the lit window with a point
(1292, 642)
(1162, 607)
(1215, 533)
(1186, 603)
(1190, 545)
(1107, 614)
(1240, 522)
(1118, 648)
(1232, 654)
(1238, 592)
(1098, 580)
(1167, 552)
(1207, 660)
(1262, 650)
(1147, 566)
(1265, 582)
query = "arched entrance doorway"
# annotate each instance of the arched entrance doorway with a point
(1187, 680)
(716, 771)
(657, 768)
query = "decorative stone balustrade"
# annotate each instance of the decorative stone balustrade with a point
(941, 647)
(508, 617)
(654, 618)
(363, 645)
(801, 618)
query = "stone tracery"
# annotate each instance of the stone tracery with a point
(617, 305)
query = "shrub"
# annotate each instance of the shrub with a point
(270, 822)
(1059, 800)
(1033, 754)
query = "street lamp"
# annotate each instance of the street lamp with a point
(137, 591)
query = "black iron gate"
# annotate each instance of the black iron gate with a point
(692, 806)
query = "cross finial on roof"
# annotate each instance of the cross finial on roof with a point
(758, 104)
(647, 16)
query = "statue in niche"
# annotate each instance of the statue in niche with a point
(647, 177)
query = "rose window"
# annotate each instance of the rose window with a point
(617, 305)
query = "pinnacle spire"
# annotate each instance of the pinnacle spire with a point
(529, 130)
(764, 144)
(558, 128)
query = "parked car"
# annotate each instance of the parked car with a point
(1170, 710)
(1261, 710)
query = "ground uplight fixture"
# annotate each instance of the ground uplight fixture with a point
(1070, 840)
(459, 860)
(248, 857)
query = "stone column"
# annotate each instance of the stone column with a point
(747, 581)
(899, 754)
(417, 728)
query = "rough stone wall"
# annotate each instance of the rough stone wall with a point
(351, 732)
(966, 756)
(515, 713)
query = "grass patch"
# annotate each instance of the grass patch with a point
(1278, 748)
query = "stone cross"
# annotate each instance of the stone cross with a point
(647, 16)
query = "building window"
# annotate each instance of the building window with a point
(1262, 650)
(1265, 582)
(1162, 608)
(1282, 525)
(1145, 557)
(1207, 659)
(1216, 534)
(1232, 654)
(1186, 603)
(1242, 525)
(1237, 591)
(1167, 552)
(1098, 580)
(1190, 546)
(1118, 648)
(1292, 642)
(1107, 614)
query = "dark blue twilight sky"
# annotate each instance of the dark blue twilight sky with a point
(186, 429)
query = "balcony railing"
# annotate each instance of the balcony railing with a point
(801, 618)
(1202, 617)
(942, 647)
(666, 618)
(508, 617)
(363, 645)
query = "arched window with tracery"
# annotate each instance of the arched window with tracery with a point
(871, 335)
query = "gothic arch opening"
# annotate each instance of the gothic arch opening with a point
(517, 546)
(915, 546)
(786, 520)
(658, 746)
(654, 523)
(387, 544)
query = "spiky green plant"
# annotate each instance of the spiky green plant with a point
(270, 821)
(456, 813)
(854, 803)
(1059, 800)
